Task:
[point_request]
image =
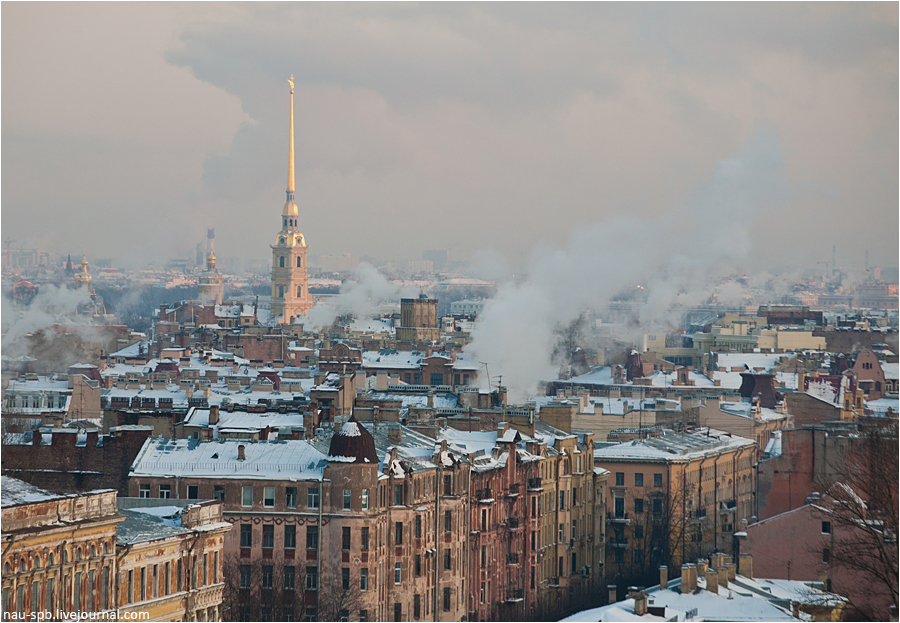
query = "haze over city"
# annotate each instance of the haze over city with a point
(491, 128)
(569, 312)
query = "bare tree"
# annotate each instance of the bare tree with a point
(339, 596)
(863, 512)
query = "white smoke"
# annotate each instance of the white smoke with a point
(359, 297)
(676, 257)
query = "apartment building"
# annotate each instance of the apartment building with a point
(674, 498)
(331, 528)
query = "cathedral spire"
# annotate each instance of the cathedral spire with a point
(290, 179)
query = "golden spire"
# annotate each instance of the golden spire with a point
(290, 180)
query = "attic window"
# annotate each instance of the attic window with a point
(216, 455)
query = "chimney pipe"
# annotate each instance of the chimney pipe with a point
(241, 455)
(685, 578)
(663, 576)
(745, 565)
(612, 593)
(712, 581)
(213, 415)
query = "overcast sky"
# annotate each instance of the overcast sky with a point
(128, 129)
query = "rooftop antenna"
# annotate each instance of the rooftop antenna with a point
(488, 373)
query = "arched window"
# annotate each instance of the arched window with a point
(281, 261)
(78, 554)
(299, 262)
(877, 386)
(36, 564)
(6, 568)
(299, 290)
(93, 551)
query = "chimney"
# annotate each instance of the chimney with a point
(188, 392)
(431, 399)
(663, 576)
(823, 578)
(612, 593)
(395, 435)
(213, 415)
(723, 576)
(640, 600)
(730, 570)
(685, 578)
(745, 565)
(702, 566)
(241, 455)
(712, 581)
(381, 381)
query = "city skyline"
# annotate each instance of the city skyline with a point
(492, 131)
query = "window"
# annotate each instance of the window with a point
(826, 556)
(281, 262)
(312, 578)
(826, 527)
(345, 578)
(246, 535)
(620, 479)
(348, 498)
(447, 559)
(448, 521)
(267, 576)
(418, 526)
(574, 563)
(437, 379)
(215, 567)
(364, 501)
(310, 614)
(657, 480)
(364, 616)
(398, 611)
(562, 500)
(448, 485)
(247, 497)
(447, 599)
(533, 540)
(219, 493)
(639, 557)
(418, 565)
(345, 538)
(398, 495)
(398, 573)
(145, 491)
(290, 497)
(312, 537)
(398, 533)
(268, 537)
(269, 497)
(562, 532)
(312, 497)
(417, 606)
(193, 492)
(639, 532)
(167, 574)
(657, 506)
(364, 539)
(289, 578)
(165, 491)
(483, 556)
(638, 480)
(364, 579)
(638, 505)
(290, 537)
(245, 576)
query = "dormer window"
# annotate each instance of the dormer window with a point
(281, 240)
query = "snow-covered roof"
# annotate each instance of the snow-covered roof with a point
(399, 360)
(881, 405)
(766, 361)
(745, 409)
(672, 447)
(264, 460)
(14, 492)
(891, 371)
(133, 350)
(199, 417)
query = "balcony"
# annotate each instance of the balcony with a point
(484, 496)
(512, 559)
(534, 484)
(617, 517)
(514, 595)
(514, 523)
(618, 543)
(513, 491)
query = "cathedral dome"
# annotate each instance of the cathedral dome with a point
(352, 444)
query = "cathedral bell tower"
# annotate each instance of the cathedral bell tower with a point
(290, 276)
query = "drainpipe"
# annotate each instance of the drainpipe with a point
(437, 507)
(319, 543)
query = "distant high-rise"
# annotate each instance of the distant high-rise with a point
(290, 276)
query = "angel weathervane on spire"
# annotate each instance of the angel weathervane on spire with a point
(291, 82)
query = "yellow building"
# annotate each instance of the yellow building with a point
(290, 272)
(110, 559)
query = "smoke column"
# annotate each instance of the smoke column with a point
(677, 256)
